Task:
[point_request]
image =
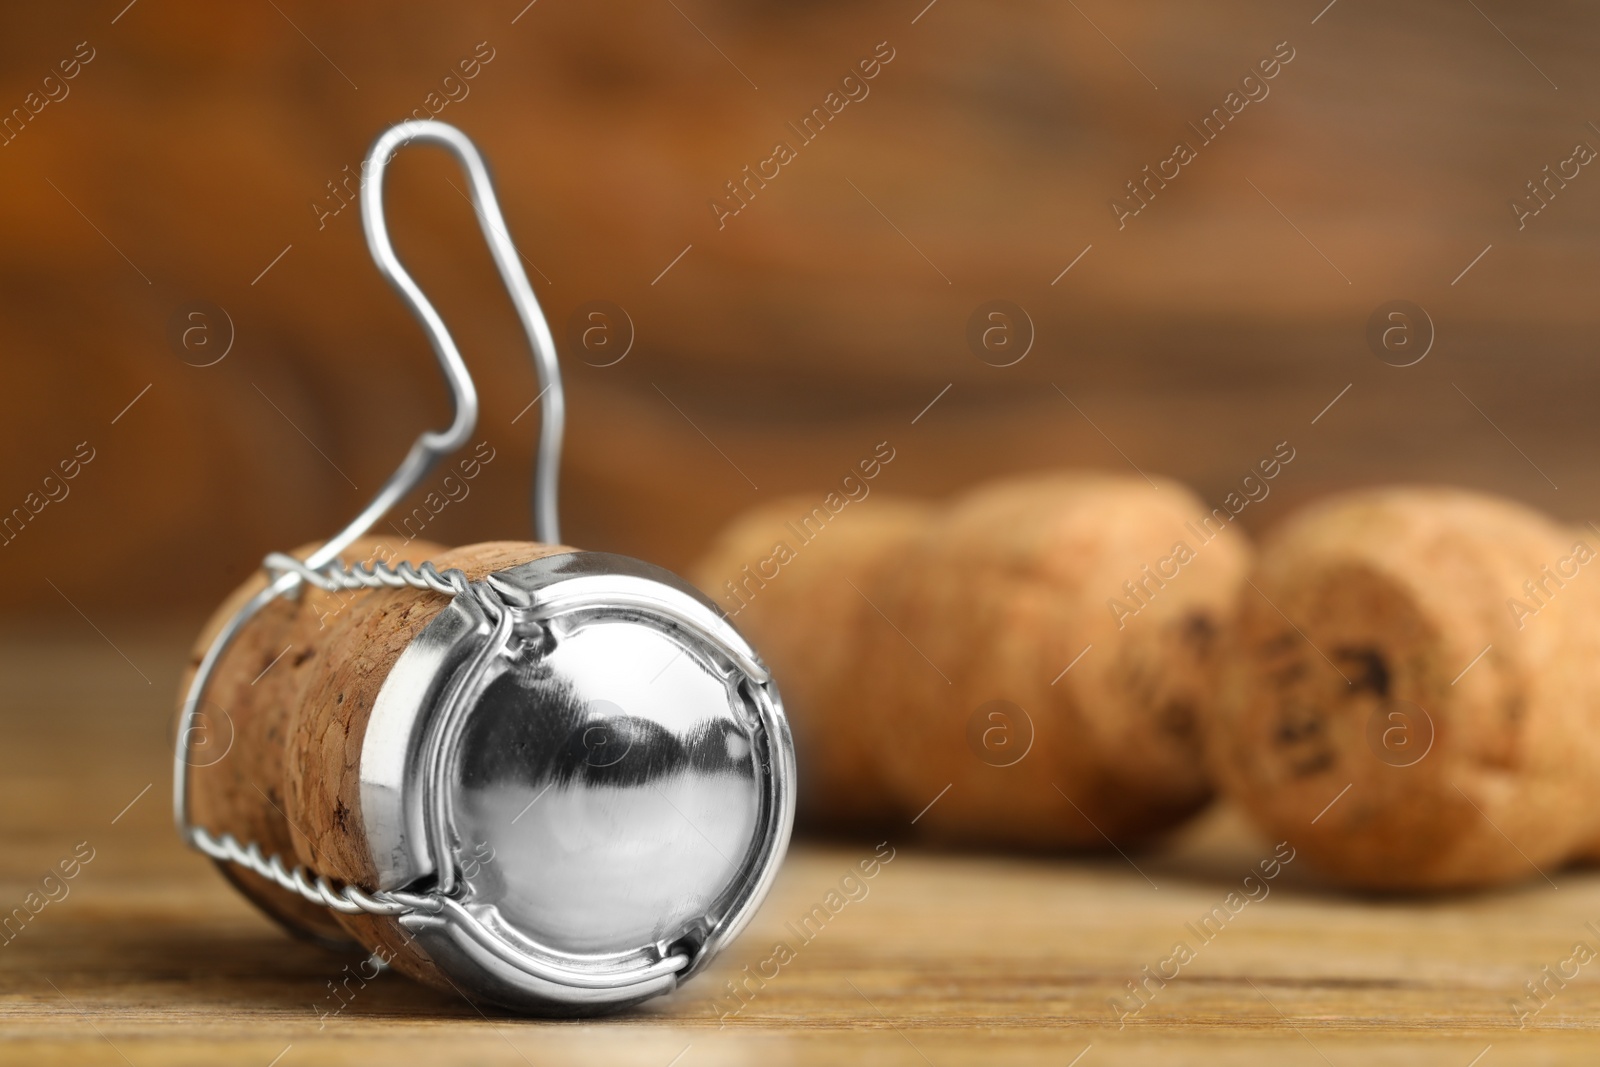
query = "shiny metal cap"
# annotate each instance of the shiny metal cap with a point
(599, 784)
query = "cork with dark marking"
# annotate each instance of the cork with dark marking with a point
(922, 651)
(327, 725)
(1392, 711)
(236, 780)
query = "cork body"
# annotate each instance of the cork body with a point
(1413, 698)
(290, 780)
(926, 646)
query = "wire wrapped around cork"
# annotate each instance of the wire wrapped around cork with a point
(550, 779)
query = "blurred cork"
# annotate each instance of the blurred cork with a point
(1008, 668)
(1413, 694)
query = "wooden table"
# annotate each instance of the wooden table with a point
(151, 958)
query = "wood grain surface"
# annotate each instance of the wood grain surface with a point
(150, 957)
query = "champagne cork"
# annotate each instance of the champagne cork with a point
(393, 763)
(237, 780)
(1413, 695)
(289, 782)
(1026, 665)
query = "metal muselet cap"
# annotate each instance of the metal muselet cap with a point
(576, 782)
(597, 784)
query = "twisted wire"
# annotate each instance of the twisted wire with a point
(335, 575)
(331, 576)
(347, 899)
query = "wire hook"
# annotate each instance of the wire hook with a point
(431, 445)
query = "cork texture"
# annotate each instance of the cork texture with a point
(1382, 649)
(923, 651)
(236, 782)
(327, 725)
(289, 702)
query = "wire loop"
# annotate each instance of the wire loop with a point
(322, 568)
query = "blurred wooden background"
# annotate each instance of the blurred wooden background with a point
(184, 161)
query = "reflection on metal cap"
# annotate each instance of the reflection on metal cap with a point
(600, 785)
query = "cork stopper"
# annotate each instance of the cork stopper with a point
(924, 652)
(1412, 696)
(290, 779)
